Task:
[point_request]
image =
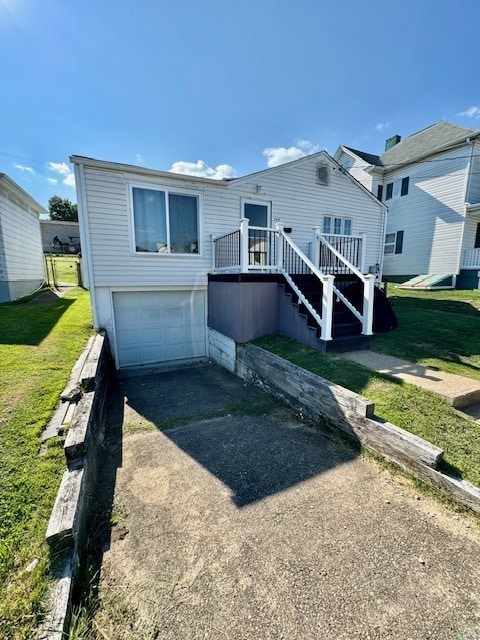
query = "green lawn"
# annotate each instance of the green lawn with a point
(38, 346)
(436, 328)
(62, 269)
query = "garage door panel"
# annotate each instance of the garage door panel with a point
(158, 326)
(152, 317)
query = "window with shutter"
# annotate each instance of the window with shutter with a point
(404, 190)
(399, 242)
(380, 192)
(389, 191)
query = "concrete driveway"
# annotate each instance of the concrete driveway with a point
(238, 521)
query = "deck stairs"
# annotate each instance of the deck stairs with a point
(297, 321)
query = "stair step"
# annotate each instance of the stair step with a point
(349, 343)
(347, 329)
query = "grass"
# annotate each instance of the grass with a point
(403, 404)
(437, 329)
(61, 269)
(38, 347)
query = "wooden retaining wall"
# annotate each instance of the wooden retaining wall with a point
(67, 529)
(318, 398)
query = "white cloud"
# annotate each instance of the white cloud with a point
(381, 126)
(307, 146)
(52, 180)
(21, 167)
(201, 169)
(281, 155)
(471, 112)
(66, 174)
(139, 158)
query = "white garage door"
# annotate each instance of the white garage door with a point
(155, 326)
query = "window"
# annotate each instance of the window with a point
(341, 226)
(396, 189)
(393, 243)
(380, 192)
(164, 222)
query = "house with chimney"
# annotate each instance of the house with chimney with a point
(430, 182)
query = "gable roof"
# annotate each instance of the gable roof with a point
(368, 157)
(426, 142)
(437, 137)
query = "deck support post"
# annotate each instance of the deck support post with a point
(327, 307)
(363, 252)
(279, 248)
(315, 257)
(244, 245)
(368, 301)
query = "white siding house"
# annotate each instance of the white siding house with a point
(149, 274)
(21, 256)
(431, 183)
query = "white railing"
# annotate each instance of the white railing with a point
(253, 249)
(471, 259)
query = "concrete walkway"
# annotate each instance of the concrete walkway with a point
(458, 391)
(236, 521)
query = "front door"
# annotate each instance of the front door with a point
(258, 214)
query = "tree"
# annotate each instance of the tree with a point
(62, 209)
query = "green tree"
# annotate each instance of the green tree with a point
(62, 209)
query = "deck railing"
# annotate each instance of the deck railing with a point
(253, 249)
(471, 259)
(350, 247)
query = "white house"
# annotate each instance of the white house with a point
(21, 257)
(430, 182)
(172, 259)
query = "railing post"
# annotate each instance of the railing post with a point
(363, 252)
(244, 245)
(315, 257)
(327, 307)
(212, 240)
(279, 240)
(368, 301)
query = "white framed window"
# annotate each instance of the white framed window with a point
(393, 243)
(336, 226)
(165, 221)
(397, 188)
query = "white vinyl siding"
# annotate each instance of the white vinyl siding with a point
(432, 215)
(21, 254)
(301, 204)
(291, 193)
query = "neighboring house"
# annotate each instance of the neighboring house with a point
(21, 257)
(430, 182)
(172, 260)
(60, 237)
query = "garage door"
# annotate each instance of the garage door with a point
(154, 326)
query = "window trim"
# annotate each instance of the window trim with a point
(332, 219)
(397, 188)
(262, 203)
(396, 244)
(173, 190)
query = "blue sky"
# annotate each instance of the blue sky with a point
(223, 88)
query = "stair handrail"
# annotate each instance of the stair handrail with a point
(366, 318)
(324, 321)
